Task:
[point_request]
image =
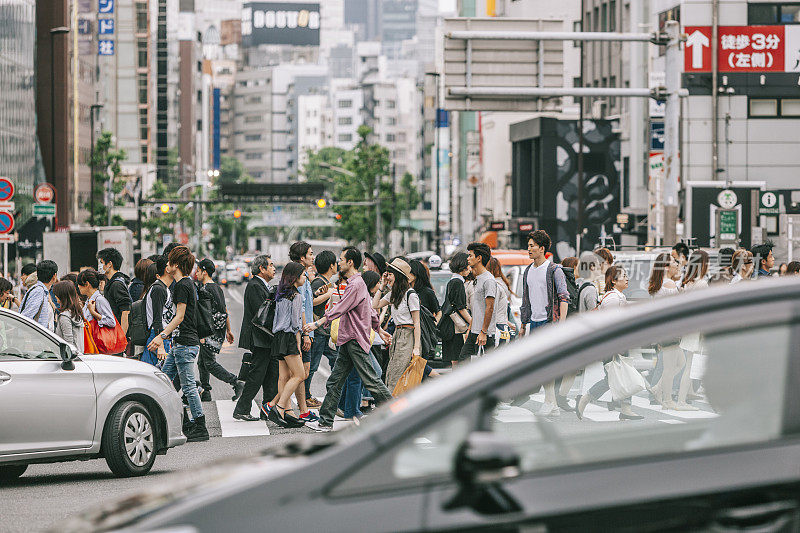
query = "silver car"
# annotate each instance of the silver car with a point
(471, 450)
(59, 405)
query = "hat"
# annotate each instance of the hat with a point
(399, 266)
(378, 259)
(207, 265)
(435, 261)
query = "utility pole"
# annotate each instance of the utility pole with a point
(671, 131)
(92, 110)
(378, 238)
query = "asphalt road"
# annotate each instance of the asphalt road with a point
(49, 493)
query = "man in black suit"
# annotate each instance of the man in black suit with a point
(264, 369)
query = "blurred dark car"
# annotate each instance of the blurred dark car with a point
(468, 451)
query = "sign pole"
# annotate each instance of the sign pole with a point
(671, 128)
(5, 260)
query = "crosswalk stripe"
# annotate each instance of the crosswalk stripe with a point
(238, 428)
(644, 403)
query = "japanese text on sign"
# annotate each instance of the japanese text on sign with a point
(105, 6)
(741, 48)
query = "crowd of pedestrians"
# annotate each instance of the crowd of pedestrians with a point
(376, 322)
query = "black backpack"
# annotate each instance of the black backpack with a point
(572, 288)
(264, 319)
(429, 333)
(204, 316)
(137, 322)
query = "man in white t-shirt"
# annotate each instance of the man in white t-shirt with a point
(482, 329)
(545, 299)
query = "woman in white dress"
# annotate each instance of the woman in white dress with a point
(671, 359)
(616, 281)
(694, 278)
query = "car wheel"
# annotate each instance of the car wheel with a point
(11, 472)
(129, 440)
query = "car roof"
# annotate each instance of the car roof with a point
(519, 357)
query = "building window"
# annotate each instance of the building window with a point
(141, 18)
(252, 138)
(774, 107)
(391, 104)
(773, 13)
(345, 104)
(763, 107)
(612, 15)
(604, 17)
(253, 100)
(790, 107)
(391, 121)
(345, 138)
(253, 119)
(253, 155)
(390, 137)
(345, 121)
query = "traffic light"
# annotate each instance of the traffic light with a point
(322, 203)
(166, 208)
(237, 213)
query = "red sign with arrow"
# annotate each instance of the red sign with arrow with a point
(741, 48)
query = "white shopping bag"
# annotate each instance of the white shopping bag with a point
(623, 379)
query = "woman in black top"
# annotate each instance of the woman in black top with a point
(427, 296)
(455, 302)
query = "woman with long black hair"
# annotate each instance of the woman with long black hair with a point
(670, 356)
(422, 284)
(455, 317)
(405, 307)
(286, 346)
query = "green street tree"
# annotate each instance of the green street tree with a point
(367, 163)
(106, 162)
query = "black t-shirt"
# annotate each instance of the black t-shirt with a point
(117, 295)
(428, 300)
(186, 333)
(218, 296)
(318, 282)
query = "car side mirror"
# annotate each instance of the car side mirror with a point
(67, 355)
(482, 462)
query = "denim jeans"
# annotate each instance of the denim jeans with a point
(319, 346)
(351, 356)
(350, 403)
(534, 324)
(181, 361)
(377, 366)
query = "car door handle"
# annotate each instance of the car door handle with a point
(770, 516)
(4, 377)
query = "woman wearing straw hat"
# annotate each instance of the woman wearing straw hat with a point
(405, 306)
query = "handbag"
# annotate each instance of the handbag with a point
(89, 345)
(411, 377)
(623, 379)
(335, 333)
(109, 341)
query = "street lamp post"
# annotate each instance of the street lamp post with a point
(92, 109)
(61, 30)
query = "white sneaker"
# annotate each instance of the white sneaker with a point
(549, 409)
(319, 428)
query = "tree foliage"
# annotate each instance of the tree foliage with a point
(106, 162)
(354, 179)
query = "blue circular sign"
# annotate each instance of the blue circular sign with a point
(6, 222)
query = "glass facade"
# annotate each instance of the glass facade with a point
(19, 147)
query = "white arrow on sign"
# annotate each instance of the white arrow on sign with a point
(696, 42)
